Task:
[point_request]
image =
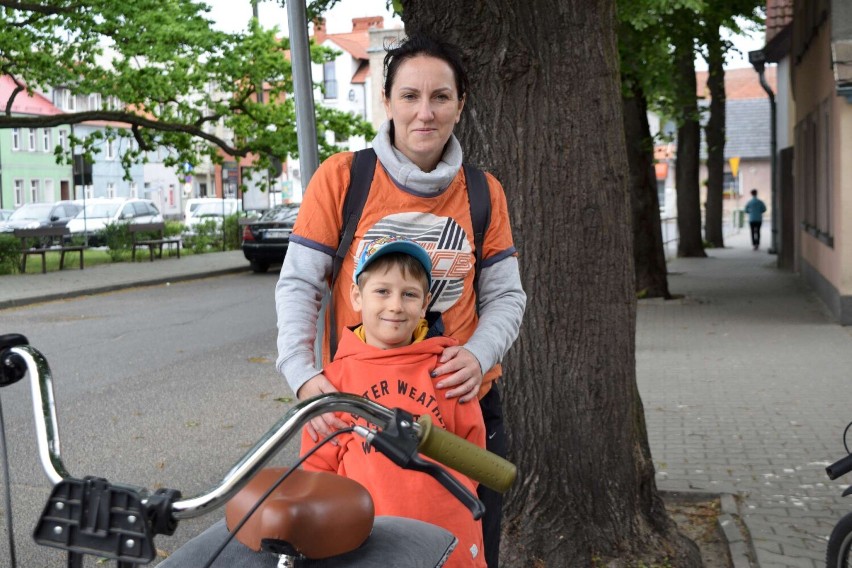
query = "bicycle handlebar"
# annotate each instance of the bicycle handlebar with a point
(490, 470)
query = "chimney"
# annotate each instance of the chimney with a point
(319, 31)
(368, 23)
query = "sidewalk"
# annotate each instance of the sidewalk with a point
(743, 380)
(20, 290)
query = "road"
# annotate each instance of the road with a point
(162, 386)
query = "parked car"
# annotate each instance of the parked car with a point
(4, 213)
(231, 205)
(99, 212)
(37, 215)
(265, 240)
(209, 210)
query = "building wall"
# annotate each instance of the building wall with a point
(28, 165)
(106, 170)
(827, 266)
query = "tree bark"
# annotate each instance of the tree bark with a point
(689, 243)
(648, 254)
(544, 115)
(715, 136)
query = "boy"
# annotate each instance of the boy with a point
(388, 358)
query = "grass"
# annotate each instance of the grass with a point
(91, 257)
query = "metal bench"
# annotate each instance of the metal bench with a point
(139, 235)
(44, 240)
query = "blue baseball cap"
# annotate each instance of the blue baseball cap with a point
(393, 243)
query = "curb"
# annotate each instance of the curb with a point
(729, 523)
(20, 302)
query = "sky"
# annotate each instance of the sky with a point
(233, 15)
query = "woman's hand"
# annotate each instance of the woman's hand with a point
(324, 424)
(465, 373)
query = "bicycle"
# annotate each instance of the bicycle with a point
(274, 516)
(839, 551)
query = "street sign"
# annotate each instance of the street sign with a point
(735, 165)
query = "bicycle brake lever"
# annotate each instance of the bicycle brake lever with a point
(399, 442)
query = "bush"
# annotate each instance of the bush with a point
(10, 254)
(117, 239)
(233, 232)
(173, 228)
(207, 234)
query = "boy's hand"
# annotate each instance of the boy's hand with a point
(324, 424)
(465, 373)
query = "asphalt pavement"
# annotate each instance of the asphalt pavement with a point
(742, 376)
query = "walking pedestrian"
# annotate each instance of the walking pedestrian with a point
(755, 209)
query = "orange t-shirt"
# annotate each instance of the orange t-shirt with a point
(399, 378)
(439, 223)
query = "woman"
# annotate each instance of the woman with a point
(418, 191)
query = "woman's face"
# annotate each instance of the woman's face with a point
(424, 107)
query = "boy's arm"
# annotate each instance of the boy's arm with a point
(327, 458)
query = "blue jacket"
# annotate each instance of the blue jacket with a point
(755, 209)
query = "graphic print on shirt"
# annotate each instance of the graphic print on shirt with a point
(445, 241)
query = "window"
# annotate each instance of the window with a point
(35, 191)
(329, 80)
(90, 192)
(45, 140)
(48, 190)
(813, 136)
(68, 101)
(19, 192)
(110, 149)
(95, 101)
(32, 139)
(16, 139)
(134, 189)
(110, 190)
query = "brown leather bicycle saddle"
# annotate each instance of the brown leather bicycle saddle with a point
(319, 514)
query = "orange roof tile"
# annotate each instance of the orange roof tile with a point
(362, 73)
(355, 43)
(743, 83)
(24, 103)
(779, 13)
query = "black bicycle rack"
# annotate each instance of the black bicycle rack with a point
(92, 516)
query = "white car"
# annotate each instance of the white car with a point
(100, 212)
(207, 209)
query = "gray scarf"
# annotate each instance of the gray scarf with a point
(407, 175)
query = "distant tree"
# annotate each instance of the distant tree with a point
(718, 16)
(181, 84)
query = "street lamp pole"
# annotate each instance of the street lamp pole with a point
(303, 90)
(758, 60)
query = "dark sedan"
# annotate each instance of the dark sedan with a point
(265, 239)
(38, 215)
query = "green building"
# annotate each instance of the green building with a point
(28, 169)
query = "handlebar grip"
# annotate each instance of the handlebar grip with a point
(487, 468)
(840, 467)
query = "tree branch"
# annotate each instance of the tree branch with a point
(18, 88)
(133, 120)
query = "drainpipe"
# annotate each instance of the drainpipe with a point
(758, 60)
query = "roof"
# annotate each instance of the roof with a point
(747, 129)
(34, 104)
(354, 43)
(362, 73)
(740, 84)
(779, 13)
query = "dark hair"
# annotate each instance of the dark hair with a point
(754, 192)
(408, 265)
(421, 44)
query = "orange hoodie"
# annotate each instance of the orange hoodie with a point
(399, 378)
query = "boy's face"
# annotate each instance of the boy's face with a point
(391, 306)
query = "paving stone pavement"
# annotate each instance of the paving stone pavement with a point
(744, 380)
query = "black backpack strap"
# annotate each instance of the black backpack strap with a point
(360, 180)
(479, 198)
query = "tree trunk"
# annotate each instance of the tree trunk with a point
(715, 135)
(544, 115)
(648, 254)
(688, 141)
